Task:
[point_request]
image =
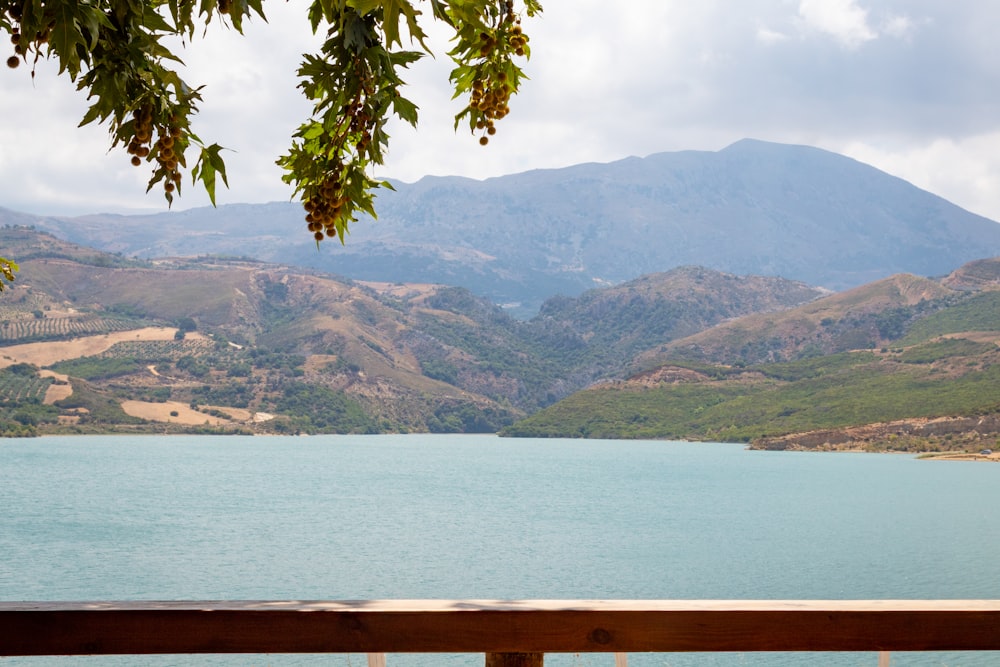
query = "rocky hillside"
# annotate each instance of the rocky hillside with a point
(864, 317)
(324, 353)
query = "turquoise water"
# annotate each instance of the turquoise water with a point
(423, 516)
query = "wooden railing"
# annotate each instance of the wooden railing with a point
(509, 632)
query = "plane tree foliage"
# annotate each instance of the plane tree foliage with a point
(125, 54)
(7, 269)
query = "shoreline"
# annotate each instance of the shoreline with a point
(993, 457)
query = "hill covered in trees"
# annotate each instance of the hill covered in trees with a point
(904, 363)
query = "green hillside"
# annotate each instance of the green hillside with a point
(978, 312)
(836, 391)
(903, 349)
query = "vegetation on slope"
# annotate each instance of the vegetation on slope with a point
(901, 349)
(867, 317)
(313, 409)
(814, 390)
(831, 392)
(974, 312)
(22, 392)
(272, 349)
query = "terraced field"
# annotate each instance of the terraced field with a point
(58, 328)
(16, 387)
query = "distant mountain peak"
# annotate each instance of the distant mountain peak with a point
(752, 208)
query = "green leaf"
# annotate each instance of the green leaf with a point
(440, 10)
(210, 164)
(390, 22)
(405, 109)
(93, 113)
(152, 20)
(64, 39)
(363, 7)
(356, 32)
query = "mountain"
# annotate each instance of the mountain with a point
(320, 352)
(862, 317)
(903, 363)
(575, 341)
(752, 208)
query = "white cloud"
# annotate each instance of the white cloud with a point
(767, 36)
(844, 20)
(900, 27)
(965, 171)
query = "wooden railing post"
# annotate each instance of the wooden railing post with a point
(515, 659)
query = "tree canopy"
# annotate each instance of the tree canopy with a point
(119, 53)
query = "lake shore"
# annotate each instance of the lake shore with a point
(959, 438)
(960, 456)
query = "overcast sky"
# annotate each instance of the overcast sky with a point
(909, 86)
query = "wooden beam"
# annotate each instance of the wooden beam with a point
(515, 659)
(477, 626)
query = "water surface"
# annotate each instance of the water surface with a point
(429, 516)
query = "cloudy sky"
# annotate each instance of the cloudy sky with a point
(909, 86)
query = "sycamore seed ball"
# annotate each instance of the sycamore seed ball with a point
(13, 62)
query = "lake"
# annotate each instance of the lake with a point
(457, 516)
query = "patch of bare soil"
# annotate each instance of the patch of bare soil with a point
(44, 354)
(237, 414)
(316, 362)
(162, 412)
(59, 389)
(402, 291)
(977, 336)
(668, 375)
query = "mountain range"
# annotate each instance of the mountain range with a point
(404, 351)
(92, 342)
(753, 208)
(173, 322)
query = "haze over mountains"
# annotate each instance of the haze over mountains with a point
(752, 208)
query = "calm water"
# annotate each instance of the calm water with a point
(481, 517)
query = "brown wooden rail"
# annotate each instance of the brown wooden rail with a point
(482, 626)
